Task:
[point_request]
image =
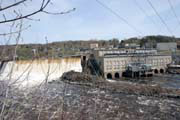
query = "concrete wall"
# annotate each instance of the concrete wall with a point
(31, 73)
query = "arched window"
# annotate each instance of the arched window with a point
(109, 76)
(117, 75)
(161, 70)
(156, 71)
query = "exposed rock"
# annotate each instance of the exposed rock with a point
(80, 77)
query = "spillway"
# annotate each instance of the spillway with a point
(28, 73)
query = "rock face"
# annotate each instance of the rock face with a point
(31, 73)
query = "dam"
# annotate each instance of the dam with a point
(29, 73)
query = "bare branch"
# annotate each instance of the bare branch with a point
(44, 5)
(21, 17)
(12, 5)
(4, 16)
(32, 19)
(15, 32)
(60, 12)
(17, 14)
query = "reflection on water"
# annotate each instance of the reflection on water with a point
(168, 80)
(164, 80)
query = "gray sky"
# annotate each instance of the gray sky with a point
(92, 21)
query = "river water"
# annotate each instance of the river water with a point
(88, 103)
(168, 80)
(164, 80)
(62, 101)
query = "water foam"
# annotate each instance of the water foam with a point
(31, 73)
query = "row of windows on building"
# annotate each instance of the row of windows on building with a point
(160, 61)
(115, 67)
(148, 61)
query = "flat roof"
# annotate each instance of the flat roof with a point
(120, 49)
(130, 55)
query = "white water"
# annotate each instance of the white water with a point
(33, 73)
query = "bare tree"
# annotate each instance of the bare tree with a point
(16, 25)
(11, 12)
(18, 15)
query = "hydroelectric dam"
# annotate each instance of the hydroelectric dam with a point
(29, 73)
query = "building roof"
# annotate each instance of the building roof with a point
(130, 55)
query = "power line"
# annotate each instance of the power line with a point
(160, 17)
(145, 13)
(173, 10)
(118, 16)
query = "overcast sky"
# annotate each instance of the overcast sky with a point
(92, 21)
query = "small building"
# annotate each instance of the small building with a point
(138, 70)
(132, 46)
(94, 45)
(170, 46)
(34, 52)
(178, 45)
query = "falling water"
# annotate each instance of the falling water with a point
(34, 72)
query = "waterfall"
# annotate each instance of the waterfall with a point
(28, 73)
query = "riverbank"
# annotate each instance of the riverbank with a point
(126, 87)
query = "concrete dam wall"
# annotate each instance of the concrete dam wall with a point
(28, 73)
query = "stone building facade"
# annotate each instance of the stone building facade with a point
(113, 64)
